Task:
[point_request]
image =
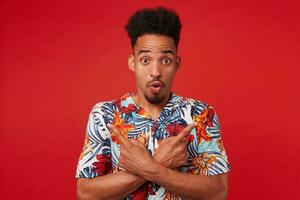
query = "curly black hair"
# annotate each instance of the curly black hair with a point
(159, 21)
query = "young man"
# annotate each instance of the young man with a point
(153, 144)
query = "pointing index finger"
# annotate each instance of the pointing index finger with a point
(186, 131)
(116, 132)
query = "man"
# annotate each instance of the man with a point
(153, 144)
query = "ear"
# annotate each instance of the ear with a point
(131, 62)
(178, 62)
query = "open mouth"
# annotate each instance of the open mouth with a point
(155, 87)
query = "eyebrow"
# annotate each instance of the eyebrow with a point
(143, 51)
(163, 52)
(167, 51)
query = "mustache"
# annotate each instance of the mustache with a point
(155, 80)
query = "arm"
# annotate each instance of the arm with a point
(119, 185)
(95, 179)
(209, 177)
(157, 170)
(189, 186)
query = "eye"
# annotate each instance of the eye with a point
(145, 61)
(166, 60)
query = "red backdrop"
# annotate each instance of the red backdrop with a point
(58, 58)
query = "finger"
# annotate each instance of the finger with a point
(120, 138)
(186, 156)
(137, 142)
(186, 131)
(184, 140)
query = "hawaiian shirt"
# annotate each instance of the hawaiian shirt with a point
(100, 154)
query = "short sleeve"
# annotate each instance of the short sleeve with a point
(95, 158)
(211, 158)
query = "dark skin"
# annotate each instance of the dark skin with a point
(153, 57)
(140, 167)
(171, 154)
(121, 184)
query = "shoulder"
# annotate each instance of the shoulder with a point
(107, 108)
(199, 109)
(197, 103)
(192, 102)
(101, 107)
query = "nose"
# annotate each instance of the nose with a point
(155, 70)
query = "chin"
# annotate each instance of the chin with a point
(154, 99)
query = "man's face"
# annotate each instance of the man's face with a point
(154, 63)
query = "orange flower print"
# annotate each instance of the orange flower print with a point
(143, 113)
(220, 145)
(101, 155)
(117, 169)
(86, 147)
(202, 164)
(142, 138)
(204, 119)
(170, 196)
(120, 124)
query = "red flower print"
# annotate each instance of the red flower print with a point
(190, 138)
(103, 165)
(130, 108)
(175, 128)
(117, 102)
(139, 195)
(124, 109)
(143, 192)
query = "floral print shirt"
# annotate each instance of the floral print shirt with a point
(100, 154)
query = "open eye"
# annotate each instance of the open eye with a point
(145, 61)
(166, 60)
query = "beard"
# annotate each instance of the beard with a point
(154, 99)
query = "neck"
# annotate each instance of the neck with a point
(153, 110)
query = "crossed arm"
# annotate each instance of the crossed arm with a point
(141, 167)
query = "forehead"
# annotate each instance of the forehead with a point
(154, 44)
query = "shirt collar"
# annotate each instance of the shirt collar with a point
(173, 102)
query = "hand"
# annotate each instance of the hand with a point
(172, 152)
(134, 156)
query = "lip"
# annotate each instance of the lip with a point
(155, 84)
(156, 89)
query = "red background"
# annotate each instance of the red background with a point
(58, 58)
